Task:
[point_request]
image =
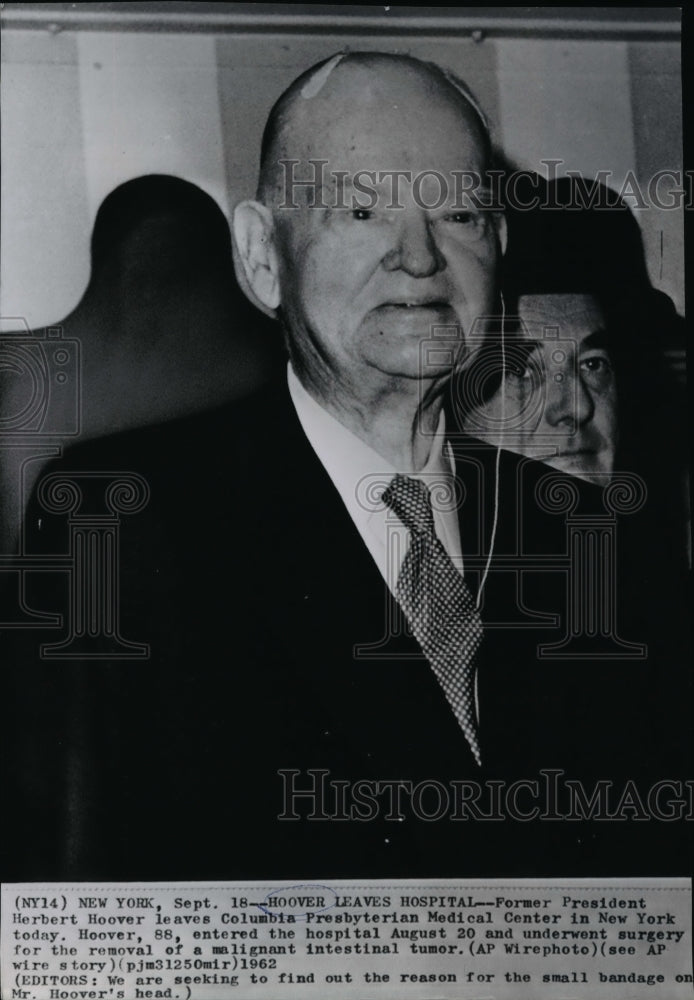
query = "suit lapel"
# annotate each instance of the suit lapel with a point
(336, 616)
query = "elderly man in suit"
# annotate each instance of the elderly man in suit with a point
(360, 286)
(327, 574)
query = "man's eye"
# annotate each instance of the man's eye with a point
(518, 371)
(464, 218)
(362, 214)
(597, 364)
(521, 363)
(597, 369)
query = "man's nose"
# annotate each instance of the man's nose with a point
(569, 404)
(414, 250)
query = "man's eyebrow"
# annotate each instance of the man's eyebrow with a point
(597, 339)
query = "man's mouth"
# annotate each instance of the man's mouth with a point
(580, 453)
(416, 304)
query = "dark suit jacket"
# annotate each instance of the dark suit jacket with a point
(252, 587)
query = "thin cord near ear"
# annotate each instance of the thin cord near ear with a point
(497, 461)
(497, 464)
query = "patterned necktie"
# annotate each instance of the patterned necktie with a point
(437, 604)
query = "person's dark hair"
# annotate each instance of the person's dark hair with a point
(580, 237)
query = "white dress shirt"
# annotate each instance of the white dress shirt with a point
(360, 475)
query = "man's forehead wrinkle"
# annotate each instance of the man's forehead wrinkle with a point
(577, 325)
(564, 304)
(552, 317)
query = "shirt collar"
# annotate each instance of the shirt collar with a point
(360, 474)
(351, 463)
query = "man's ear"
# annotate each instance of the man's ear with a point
(254, 236)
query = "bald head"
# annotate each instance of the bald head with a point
(298, 126)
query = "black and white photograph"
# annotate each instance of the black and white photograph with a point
(344, 501)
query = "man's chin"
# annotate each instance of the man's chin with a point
(414, 353)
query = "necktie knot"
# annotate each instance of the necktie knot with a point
(410, 500)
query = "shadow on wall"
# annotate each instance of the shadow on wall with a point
(162, 330)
